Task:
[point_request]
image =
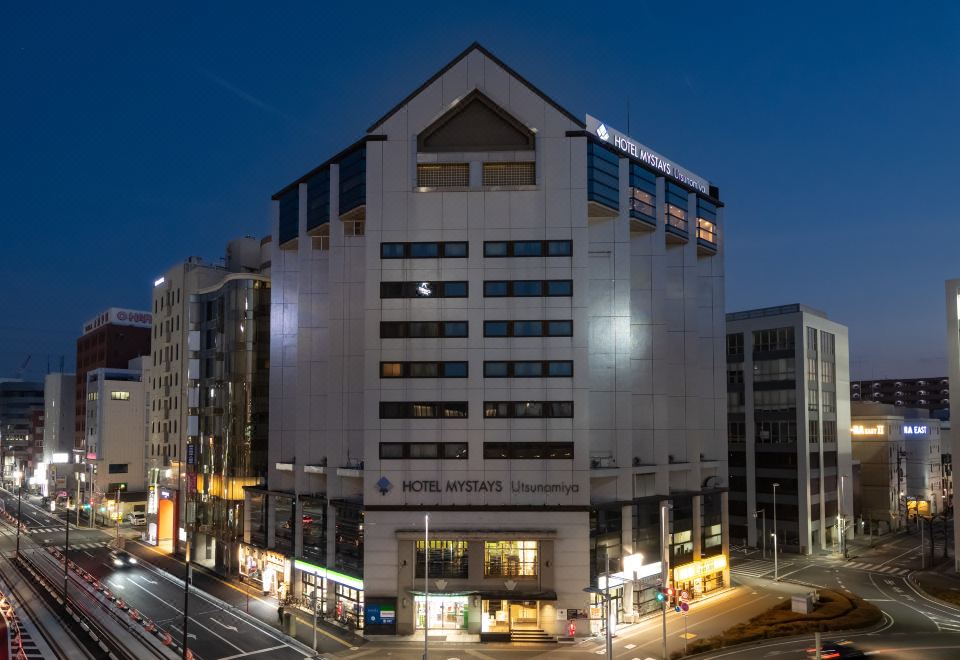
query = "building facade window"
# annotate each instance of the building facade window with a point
(494, 249)
(424, 450)
(527, 288)
(523, 173)
(527, 450)
(813, 400)
(603, 176)
(736, 432)
(776, 432)
(120, 396)
(735, 344)
(528, 328)
(443, 175)
(424, 369)
(353, 180)
(318, 199)
(829, 401)
(447, 560)
(528, 369)
(517, 409)
(423, 329)
(775, 400)
(827, 371)
(774, 370)
(510, 559)
(424, 289)
(677, 202)
(706, 221)
(773, 339)
(289, 226)
(813, 431)
(422, 410)
(425, 250)
(643, 193)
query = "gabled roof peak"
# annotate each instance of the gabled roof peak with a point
(476, 45)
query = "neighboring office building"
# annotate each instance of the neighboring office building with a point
(932, 394)
(109, 340)
(116, 422)
(789, 424)
(877, 441)
(921, 436)
(230, 338)
(34, 450)
(170, 385)
(493, 312)
(58, 431)
(18, 401)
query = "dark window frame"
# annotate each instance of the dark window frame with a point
(403, 329)
(405, 290)
(441, 408)
(545, 247)
(547, 409)
(442, 451)
(405, 368)
(514, 451)
(544, 368)
(407, 248)
(545, 327)
(545, 286)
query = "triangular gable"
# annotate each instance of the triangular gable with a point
(476, 124)
(493, 58)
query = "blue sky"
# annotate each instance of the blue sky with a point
(134, 137)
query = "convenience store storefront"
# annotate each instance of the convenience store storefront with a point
(337, 594)
(700, 577)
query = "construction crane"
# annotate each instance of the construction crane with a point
(23, 367)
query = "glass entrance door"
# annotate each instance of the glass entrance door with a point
(524, 615)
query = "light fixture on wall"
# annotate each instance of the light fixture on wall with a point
(406, 602)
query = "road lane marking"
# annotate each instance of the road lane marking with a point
(244, 655)
(264, 627)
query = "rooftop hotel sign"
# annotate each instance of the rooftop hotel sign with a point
(646, 155)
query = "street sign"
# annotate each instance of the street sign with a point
(684, 595)
(685, 607)
(676, 609)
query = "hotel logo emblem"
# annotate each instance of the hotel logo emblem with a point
(384, 485)
(602, 133)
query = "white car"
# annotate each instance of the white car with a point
(136, 519)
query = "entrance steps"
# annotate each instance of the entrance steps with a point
(532, 636)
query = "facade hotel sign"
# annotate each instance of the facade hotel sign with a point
(481, 486)
(646, 155)
(915, 429)
(860, 429)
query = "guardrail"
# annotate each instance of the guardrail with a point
(122, 627)
(14, 639)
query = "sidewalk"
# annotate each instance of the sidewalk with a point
(247, 598)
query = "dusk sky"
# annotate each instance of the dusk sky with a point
(137, 135)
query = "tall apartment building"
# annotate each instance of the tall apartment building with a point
(58, 431)
(788, 426)
(952, 305)
(116, 428)
(932, 394)
(109, 340)
(232, 321)
(174, 374)
(19, 399)
(493, 312)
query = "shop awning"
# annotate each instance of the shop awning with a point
(492, 595)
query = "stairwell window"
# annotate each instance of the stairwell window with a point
(510, 558)
(509, 174)
(443, 175)
(120, 396)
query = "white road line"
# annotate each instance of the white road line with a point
(244, 655)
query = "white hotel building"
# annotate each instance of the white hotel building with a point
(493, 312)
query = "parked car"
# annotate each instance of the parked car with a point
(136, 519)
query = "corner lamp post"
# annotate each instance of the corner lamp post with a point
(775, 513)
(19, 523)
(776, 568)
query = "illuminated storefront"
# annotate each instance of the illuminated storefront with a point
(335, 592)
(700, 577)
(446, 611)
(266, 569)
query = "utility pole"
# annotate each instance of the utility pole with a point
(426, 584)
(664, 565)
(775, 514)
(66, 551)
(19, 523)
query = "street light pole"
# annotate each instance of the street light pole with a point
(19, 523)
(426, 584)
(66, 551)
(117, 517)
(776, 568)
(775, 513)
(664, 568)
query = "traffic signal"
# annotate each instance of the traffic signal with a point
(665, 595)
